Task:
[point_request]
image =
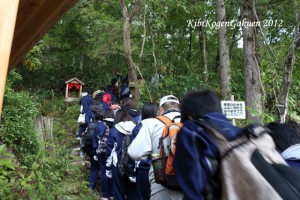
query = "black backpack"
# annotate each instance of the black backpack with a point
(249, 167)
(123, 163)
(88, 135)
(97, 107)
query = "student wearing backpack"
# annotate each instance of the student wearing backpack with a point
(86, 102)
(100, 145)
(216, 160)
(142, 168)
(147, 143)
(193, 142)
(117, 157)
(88, 148)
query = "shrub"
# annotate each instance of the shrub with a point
(17, 129)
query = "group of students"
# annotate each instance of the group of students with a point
(192, 143)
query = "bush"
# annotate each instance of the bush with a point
(17, 129)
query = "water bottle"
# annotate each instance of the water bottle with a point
(158, 168)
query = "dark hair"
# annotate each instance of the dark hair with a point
(109, 113)
(149, 110)
(122, 115)
(113, 81)
(199, 102)
(295, 126)
(108, 88)
(99, 116)
(90, 91)
(284, 135)
(114, 101)
(103, 89)
(127, 102)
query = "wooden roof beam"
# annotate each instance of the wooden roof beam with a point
(8, 13)
(34, 19)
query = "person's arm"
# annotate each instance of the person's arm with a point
(110, 148)
(141, 146)
(131, 162)
(99, 131)
(187, 165)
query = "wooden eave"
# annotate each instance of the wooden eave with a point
(74, 79)
(34, 19)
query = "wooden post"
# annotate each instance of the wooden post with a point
(80, 91)
(67, 90)
(232, 99)
(8, 15)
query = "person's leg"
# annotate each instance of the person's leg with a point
(94, 171)
(81, 129)
(106, 183)
(118, 184)
(130, 189)
(142, 184)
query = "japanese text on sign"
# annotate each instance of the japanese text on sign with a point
(234, 109)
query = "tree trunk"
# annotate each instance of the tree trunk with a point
(202, 44)
(131, 67)
(253, 84)
(189, 55)
(282, 103)
(223, 51)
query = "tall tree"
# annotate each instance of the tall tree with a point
(202, 45)
(253, 84)
(223, 49)
(131, 66)
(288, 68)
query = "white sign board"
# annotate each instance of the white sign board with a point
(234, 109)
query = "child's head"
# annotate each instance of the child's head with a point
(149, 110)
(199, 102)
(90, 91)
(114, 82)
(109, 113)
(284, 135)
(127, 102)
(121, 116)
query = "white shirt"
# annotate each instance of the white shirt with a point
(147, 142)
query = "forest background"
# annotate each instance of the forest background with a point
(165, 47)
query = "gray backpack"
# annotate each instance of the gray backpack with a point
(102, 141)
(249, 166)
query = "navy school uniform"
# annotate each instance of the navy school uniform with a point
(105, 182)
(86, 102)
(94, 165)
(142, 171)
(192, 170)
(123, 188)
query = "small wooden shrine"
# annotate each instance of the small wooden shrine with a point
(73, 89)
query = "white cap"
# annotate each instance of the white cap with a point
(168, 98)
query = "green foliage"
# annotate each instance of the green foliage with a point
(54, 107)
(87, 43)
(50, 175)
(7, 172)
(17, 128)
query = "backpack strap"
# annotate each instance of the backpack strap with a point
(165, 120)
(219, 136)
